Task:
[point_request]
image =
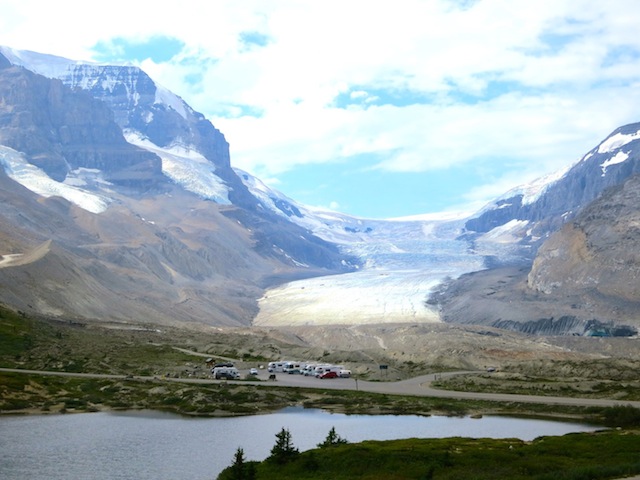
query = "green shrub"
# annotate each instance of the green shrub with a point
(622, 416)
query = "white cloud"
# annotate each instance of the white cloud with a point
(537, 83)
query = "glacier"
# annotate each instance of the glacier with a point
(403, 260)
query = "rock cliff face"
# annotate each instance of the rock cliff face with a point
(598, 253)
(61, 131)
(138, 103)
(157, 114)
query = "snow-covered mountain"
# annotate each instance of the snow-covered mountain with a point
(581, 227)
(534, 211)
(133, 195)
(155, 222)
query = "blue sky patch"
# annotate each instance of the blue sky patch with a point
(494, 88)
(621, 54)
(379, 194)
(253, 39)
(237, 110)
(555, 41)
(365, 97)
(157, 48)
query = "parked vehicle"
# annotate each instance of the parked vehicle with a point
(275, 367)
(320, 369)
(225, 373)
(309, 370)
(344, 373)
(291, 367)
(329, 374)
(253, 371)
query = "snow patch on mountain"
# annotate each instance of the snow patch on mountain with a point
(49, 66)
(510, 232)
(619, 157)
(186, 167)
(616, 141)
(534, 190)
(36, 180)
(166, 97)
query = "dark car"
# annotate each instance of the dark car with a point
(329, 375)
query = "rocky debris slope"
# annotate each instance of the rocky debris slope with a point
(598, 254)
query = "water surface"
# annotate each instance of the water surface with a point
(159, 446)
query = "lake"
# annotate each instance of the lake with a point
(160, 446)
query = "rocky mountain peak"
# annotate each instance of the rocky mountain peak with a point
(559, 200)
(61, 131)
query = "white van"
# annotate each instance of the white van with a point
(292, 367)
(275, 367)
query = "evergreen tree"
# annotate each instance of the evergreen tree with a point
(283, 451)
(332, 439)
(239, 470)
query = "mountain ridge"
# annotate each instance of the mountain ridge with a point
(146, 218)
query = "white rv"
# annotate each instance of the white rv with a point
(275, 367)
(228, 373)
(292, 367)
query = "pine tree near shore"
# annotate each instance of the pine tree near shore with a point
(283, 451)
(240, 469)
(332, 439)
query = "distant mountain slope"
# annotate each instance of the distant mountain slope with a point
(61, 131)
(154, 115)
(598, 253)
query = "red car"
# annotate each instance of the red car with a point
(329, 375)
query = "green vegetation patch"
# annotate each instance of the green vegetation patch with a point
(591, 456)
(593, 378)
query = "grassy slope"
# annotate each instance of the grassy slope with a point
(611, 454)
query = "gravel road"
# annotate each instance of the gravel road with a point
(418, 386)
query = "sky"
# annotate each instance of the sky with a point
(373, 108)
